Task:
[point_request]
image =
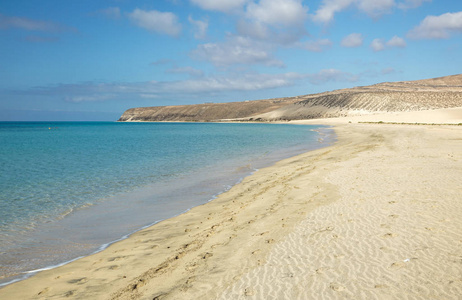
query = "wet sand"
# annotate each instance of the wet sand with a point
(378, 215)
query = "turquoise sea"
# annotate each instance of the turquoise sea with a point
(68, 189)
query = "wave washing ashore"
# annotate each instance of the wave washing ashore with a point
(70, 189)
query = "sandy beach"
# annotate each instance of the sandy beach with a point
(377, 215)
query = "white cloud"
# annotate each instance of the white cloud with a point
(220, 5)
(236, 82)
(89, 98)
(375, 8)
(438, 27)
(7, 22)
(325, 14)
(380, 44)
(352, 40)
(199, 86)
(153, 20)
(377, 45)
(149, 96)
(327, 75)
(279, 35)
(274, 21)
(408, 4)
(396, 42)
(186, 70)
(200, 27)
(236, 50)
(316, 46)
(216, 86)
(278, 12)
(254, 30)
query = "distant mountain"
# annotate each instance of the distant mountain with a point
(435, 93)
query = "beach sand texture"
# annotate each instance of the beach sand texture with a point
(378, 215)
(394, 233)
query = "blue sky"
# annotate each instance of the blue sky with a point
(92, 60)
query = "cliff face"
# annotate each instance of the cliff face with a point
(443, 92)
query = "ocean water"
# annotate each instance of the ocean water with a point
(68, 189)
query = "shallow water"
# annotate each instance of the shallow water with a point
(68, 189)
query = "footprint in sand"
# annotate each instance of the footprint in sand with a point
(397, 265)
(191, 267)
(45, 290)
(69, 293)
(389, 235)
(337, 287)
(159, 296)
(249, 292)
(207, 255)
(321, 270)
(263, 233)
(386, 249)
(78, 280)
(98, 261)
(116, 258)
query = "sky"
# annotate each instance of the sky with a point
(91, 60)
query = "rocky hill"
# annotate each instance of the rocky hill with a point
(205, 112)
(435, 93)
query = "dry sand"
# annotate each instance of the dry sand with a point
(378, 215)
(436, 116)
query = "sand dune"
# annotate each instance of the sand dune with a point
(375, 216)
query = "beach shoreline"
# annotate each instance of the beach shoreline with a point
(92, 228)
(339, 220)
